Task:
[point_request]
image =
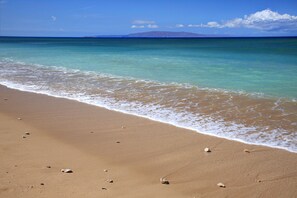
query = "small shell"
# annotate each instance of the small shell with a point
(221, 185)
(246, 151)
(259, 181)
(27, 133)
(164, 181)
(207, 150)
(110, 181)
(66, 170)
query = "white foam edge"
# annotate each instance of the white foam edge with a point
(23, 88)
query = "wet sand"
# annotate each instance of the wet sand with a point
(135, 153)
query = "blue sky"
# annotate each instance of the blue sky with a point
(118, 17)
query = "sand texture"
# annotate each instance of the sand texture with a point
(117, 155)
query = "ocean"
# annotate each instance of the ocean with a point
(242, 89)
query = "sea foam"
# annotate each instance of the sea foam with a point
(180, 105)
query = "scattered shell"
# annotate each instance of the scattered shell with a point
(164, 181)
(123, 127)
(19, 118)
(23, 136)
(221, 185)
(42, 184)
(246, 151)
(110, 181)
(104, 188)
(207, 150)
(118, 142)
(105, 170)
(259, 181)
(27, 133)
(48, 166)
(66, 170)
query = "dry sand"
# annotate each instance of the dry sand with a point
(88, 139)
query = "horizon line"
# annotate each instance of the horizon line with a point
(147, 37)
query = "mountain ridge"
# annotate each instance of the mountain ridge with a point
(161, 34)
(167, 34)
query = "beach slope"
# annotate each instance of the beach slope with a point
(117, 155)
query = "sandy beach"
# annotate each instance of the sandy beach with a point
(113, 154)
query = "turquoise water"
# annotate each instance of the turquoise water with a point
(265, 66)
(238, 88)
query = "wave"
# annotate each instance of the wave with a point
(248, 118)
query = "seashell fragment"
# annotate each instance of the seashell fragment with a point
(66, 170)
(207, 150)
(246, 151)
(110, 181)
(221, 185)
(164, 181)
(259, 181)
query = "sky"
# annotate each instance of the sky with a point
(121, 17)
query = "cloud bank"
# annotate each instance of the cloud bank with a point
(144, 24)
(266, 20)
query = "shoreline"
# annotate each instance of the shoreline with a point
(136, 151)
(152, 119)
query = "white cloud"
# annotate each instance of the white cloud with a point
(144, 24)
(192, 25)
(137, 26)
(179, 25)
(54, 18)
(264, 20)
(140, 22)
(211, 24)
(152, 26)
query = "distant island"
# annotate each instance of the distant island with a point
(161, 34)
(167, 34)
